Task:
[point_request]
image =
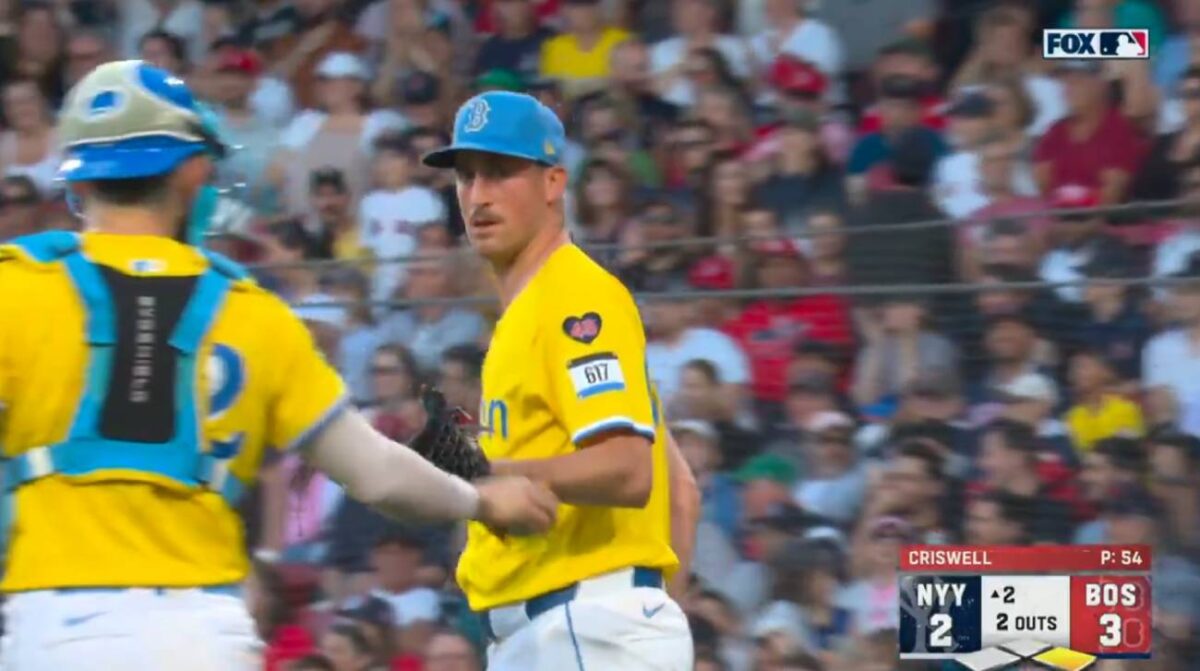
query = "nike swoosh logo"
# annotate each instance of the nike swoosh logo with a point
(76, 621)
(651, 612)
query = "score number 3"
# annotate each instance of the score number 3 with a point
(1111, 637)
(939, 633)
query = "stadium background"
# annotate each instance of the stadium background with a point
(903, 280)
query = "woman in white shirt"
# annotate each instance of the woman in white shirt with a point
(30, 147)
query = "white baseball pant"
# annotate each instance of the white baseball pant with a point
(609, 625)
(128, 629)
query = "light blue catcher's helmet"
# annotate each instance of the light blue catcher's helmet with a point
(128, 119)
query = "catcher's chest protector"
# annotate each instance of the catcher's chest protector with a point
(138, 411)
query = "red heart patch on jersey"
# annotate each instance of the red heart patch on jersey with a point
(584, 328)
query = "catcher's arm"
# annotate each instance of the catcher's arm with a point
(396, 481)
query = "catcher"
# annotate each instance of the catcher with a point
(141, 379)
(566, 402)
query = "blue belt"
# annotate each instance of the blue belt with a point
(642, 577)
(220, 590)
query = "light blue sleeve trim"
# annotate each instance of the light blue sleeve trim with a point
(325, 420)
(612, 424)
(601, 388)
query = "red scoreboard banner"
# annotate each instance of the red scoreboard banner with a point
(992, 608)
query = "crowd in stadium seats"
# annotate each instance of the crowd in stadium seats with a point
(904, 280)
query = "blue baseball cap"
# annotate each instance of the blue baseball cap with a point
(506, 123)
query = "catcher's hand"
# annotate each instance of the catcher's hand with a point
(445, 443)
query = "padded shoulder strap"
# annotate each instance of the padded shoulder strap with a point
(226, 266)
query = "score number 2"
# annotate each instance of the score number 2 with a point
(939, 630)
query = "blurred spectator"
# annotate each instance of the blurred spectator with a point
(874, 598)
(581, 56)
(274, 616)
(1003, 49)
(306, 43)
(348, 649)
(311, 500)
(415, 609)
(339, 135)
(647, 257)
(808, 578)
(270, 21)
(728, 113)
(29, 147)
(999, 518)
(182, 18)
(40, 50)
(1180, 49)
(879, 256)
(696, 27)
(84, 51)
(416, 42)
(1099, 411)
(602, 210)
(957, 181)
(331, 220)
(767, 480)
(450, 650)
(1162, 175)
(394, 212)
(908, 60)
(834, 481)
(770, 328)
(1114, 325)
(394, 383)
(1031, 398)
(459, 376)
(921, 490)
(1111, 466)
(165, 50)
(1171, 372)
(1182, 238)
(900, 121)
(1010, 462)
(375, 620)
(360, 338)
(804, 179)
(898, 343)
(825, 244)
(285, 244)
(711, 274)
(676, 339)
(700, 445)
(632, 91)
(1095, 146)
(19, 203)
(800, 87)
(517, 43)
(1174, 475)
(237, 74)
(430, 328)
(1078, 237)
(791, 30)
(422, 141)
(868, 26)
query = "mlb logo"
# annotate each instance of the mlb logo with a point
(1096, 44)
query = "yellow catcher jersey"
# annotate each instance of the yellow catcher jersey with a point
(259, 381)
(566, 363)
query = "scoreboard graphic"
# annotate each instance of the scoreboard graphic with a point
(992, 608)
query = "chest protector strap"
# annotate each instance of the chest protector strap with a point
(184, 456)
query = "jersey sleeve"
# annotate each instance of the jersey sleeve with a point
(307, 391)
(596, 362)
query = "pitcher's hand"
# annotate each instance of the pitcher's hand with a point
(515, 505)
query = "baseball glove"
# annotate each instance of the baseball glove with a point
(445, 443)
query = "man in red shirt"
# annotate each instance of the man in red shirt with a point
(770, 329)
(1095, 145)
(907, 58)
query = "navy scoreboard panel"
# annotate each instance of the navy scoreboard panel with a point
(992, 608)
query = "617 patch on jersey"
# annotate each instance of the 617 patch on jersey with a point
(596, 374)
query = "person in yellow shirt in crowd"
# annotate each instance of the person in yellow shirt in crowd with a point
(1099, 412)
(567, 401)
(142, 381)
(580, 57)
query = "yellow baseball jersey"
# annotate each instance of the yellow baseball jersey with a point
(567, 364)
(260, 381)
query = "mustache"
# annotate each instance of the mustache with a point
(483, 212)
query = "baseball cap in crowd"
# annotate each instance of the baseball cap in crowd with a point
(500, 79)
(791, 75)
(419, 88)
(788, 518)
(937, 383)
(240, 61)
(971, 105)
(1029, 387)
(696, 427)
(342, 65)
(506, 123)
(712, 273)
(1074, 196)
(770, 467)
